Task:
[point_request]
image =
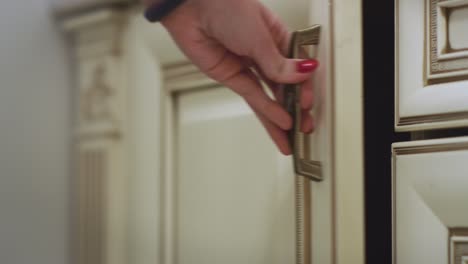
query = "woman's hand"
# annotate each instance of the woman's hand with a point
(227, 38)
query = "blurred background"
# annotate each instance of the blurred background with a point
(81, 141)
(36, 135)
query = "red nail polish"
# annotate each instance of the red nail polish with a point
(307, 66)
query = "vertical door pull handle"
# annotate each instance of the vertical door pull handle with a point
(292, 96)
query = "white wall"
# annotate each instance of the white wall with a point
(34, 136)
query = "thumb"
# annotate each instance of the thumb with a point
(280, 69)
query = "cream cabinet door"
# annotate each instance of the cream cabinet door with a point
(431, 64)
(430, 201)
(228, 196)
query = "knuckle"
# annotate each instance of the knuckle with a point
(268, 107)
(277, 70)
(223, 69)
(246, 93)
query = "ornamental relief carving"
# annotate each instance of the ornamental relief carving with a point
(96, 99)
(445, 62)
(96, 106)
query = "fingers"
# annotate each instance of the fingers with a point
(272, 116)
(274, 87)
(272, 37)
(306, 87)
(307, 95)
(280, 69)
(243, 83)
(229, 69)
(307, 122)
(278, 135)
(233, 72)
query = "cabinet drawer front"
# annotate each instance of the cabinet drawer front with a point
(430, 201)
(431, 64)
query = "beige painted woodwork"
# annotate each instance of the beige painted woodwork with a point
(429, 177)
(336, 225)
(204, 183)
(430, 209)
(100, 142)
(431, 64)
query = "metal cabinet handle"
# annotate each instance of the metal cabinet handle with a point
(292, 93)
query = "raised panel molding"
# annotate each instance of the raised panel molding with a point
(431, 64)
(430, 219)
(447, 51)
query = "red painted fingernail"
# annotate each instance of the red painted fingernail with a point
(307, 66)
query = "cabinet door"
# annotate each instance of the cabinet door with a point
(227, 195)
(430, 208)
(431, 64)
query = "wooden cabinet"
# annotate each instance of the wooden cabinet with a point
(199, 180)
(430, 201)
(431, 64)
(429, 176)
(224, 205)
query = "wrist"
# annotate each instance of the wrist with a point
(156, 10)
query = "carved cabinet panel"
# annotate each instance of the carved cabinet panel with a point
(430, 209)
(431, 64)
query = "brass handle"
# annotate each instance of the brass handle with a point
(292, 94)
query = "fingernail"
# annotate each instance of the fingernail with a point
(307, 66)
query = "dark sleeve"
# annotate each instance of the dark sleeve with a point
(160, 9)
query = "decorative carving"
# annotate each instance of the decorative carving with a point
(96, 112)
(442, 67)
(96, 99)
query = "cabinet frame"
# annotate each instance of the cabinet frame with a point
(177, 77)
